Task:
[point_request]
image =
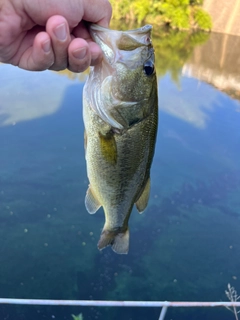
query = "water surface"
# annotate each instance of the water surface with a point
(185, 246)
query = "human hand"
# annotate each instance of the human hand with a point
(51, 34)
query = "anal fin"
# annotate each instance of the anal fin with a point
(91, 203)
(142, 201)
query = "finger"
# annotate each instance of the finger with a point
(39, 56)
(79, 56)
(81, 31)
(58, 30)
(73, 10)
(99, 12)
(95, 52)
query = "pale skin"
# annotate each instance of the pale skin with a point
(51, 34)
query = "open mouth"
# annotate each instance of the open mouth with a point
(113, 42)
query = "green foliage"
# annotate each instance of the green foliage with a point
(180, 14)
(196, 2)
(141, 9)
(177, 16)
(177, 3)
(202, 19)
(120, 8)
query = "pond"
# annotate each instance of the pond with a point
(184, 247)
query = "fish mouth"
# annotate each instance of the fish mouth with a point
(122, 50)
(111, 41)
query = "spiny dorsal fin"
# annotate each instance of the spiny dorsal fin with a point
(91, 203)
(142, 201)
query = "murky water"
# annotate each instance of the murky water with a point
(186, 244)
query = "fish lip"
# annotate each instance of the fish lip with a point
(94, 29)
(144, 29)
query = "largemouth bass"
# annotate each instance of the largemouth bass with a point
(120, 112)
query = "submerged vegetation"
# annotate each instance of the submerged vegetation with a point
(78, 317)
(180, 14)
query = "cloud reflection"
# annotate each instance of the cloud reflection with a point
(28, 95)
(191, 101)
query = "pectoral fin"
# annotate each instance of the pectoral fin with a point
(91, 203)
(142, 201)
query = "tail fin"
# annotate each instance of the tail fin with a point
(118, 241)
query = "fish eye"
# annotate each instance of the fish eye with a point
(148, 68)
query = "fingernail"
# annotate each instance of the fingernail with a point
(80, 53)
(61, 32)
(95, 59)
(46, 46)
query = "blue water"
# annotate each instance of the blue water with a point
(185, 246)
